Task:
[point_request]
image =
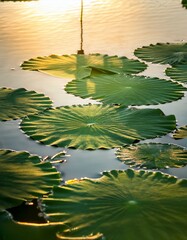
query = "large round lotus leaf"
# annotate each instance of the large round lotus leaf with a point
(96, 126)
(18, 103)
(153, 155)
(164, 53)
(24, 177)
(123, 205)
(80, 66)
(126, 89)
(181, 133)
(11, 230)
(178, 72)
(184, 3)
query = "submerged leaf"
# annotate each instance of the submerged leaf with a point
(18, 103)
(24, 177)
(181, 133)
(96, 126)
(178, 72)
(126, 89)
(11, 230)
(164, 53)
(80, 66)
(123, 205)
(153, 155)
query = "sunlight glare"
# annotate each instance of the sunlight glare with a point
(59, 6)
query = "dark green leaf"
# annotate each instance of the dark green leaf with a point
(18, 103)
(178, 72)
(96, 126)
(24, 177)
(164, 53)
(126, 89)
(123, 205)
(153, 155)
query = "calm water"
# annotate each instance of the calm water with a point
(113, 27)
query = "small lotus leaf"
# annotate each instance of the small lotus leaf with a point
(164, 53)
(24, 177)
(126, 89)
(184, 3)
(96, 126)
(178, 72)
(18, 103)
(123, 205)
(153, 155)
(181, 133)
(80, 66)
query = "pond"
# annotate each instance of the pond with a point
(112, 27)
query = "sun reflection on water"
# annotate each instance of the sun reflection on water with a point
(57, 6)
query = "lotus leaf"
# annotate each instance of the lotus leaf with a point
(9, 229)
(153, 155)
(184, 3)
(123, 205)
(24, 177)
(18, 103)
(164, 53)
(96, 126)
(178, 72)
(181, 133)
(80, 66)
(126, 89)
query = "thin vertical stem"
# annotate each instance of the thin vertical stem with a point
(81, 51)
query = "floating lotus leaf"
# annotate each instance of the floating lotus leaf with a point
(11, 230)
(153, 155)
(181, 133)
(96, 126)
(123, 205)
(18, 103)
(178, 72)
(80, 66)
(164, 53)
(126, 89)
(184, 3)
(24, 177)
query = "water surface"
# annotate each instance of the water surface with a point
(113, 27)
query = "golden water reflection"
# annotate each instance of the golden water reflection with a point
(53, 7)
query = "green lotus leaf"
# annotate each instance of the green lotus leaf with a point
(123, 205)
(184, 3)
(164, 53)
(181, 133)
(24, 177)
(153, 155)
(18, 103)
(80, 66)
(11, 230)
(96, 126)
(126, 89)
(178, 72)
